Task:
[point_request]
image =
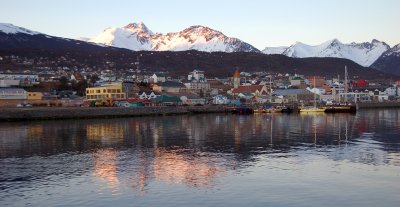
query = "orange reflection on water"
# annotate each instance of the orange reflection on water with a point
(105, 167)
(173, 168)
(105, 132)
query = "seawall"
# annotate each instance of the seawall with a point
(374, 105)
(48, 113)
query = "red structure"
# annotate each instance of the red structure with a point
(361, 83)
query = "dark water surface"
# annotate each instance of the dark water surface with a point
(204, 160)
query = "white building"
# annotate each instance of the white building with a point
(196, 75)
(148, 95)
(157, 78)
(13, 94)
(197, 81)
(24, 79)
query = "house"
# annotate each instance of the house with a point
(196, 75)
(157, 78)
(319, 81)
(189, 98)
(254, 90)
(130, 88)
(77, 76)
(135, 102)
(35, 96)
(24, 79)
(10, 83)
(169, 87)
(298, 82)
(12, 96)
(106, 91)
(294, 95)
(197, 85)
(220, 99)
(148, 95)
(168, 100)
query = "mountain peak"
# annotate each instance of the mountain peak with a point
(138, 28)
(362, 53)
(136, 36)
(12, 29)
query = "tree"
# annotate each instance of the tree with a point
(94, 78)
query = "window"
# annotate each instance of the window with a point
(118, 90)
(104, 90)
(108, 90)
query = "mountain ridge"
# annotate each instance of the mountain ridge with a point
(137, 36)
(365, 53)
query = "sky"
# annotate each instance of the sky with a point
(260, 23)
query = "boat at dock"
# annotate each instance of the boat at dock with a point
(243, 109)
(341, 109)
(312, 110)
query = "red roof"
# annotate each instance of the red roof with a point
(138, 100)
(247, 89)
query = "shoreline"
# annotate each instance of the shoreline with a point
(61, 113)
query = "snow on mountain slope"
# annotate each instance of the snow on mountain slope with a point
(132, 36)
(394, 51)
(389, 62)
(364, 54)
(12, 29)
(274, 50)
(139, 37)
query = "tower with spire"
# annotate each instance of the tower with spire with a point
(236, 79)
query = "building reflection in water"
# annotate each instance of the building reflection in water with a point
(193, 171)
(196, 150)
(105, 167)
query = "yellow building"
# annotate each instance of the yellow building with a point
(35, 95)
(111, 91)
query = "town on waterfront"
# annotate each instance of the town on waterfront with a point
(222, 103)
(260, 91)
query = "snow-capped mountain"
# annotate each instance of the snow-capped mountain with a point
(364, 54)
(274, 50)
(14, 37)
(389, 61)
(136, 36)
(12, 29)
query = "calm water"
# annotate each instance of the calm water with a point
(204, 160)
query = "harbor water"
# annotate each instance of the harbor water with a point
(204, 160)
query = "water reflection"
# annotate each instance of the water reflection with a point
(194, 152)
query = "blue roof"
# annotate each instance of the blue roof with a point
(283, 92)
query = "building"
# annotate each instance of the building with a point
(318, 80)
(254, 90)
(107, 91)
(294, 95)
(148, 95)
(10, 97)
(196, 75)
(298, 82)
(35, 96)
(24, 79)
(169, 87)
(197, 85)
(10, 83)
(189, 98)
(157, 77)
(130, 88)
(220, 99)
(236, 79)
